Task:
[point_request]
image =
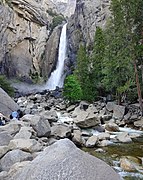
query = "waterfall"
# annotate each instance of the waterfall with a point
(57, 76)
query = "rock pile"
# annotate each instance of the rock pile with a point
(48, 119)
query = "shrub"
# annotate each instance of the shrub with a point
(57, 20)
(72, 89)
(5, 85)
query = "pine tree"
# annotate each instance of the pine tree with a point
(97, 58)
(118, 68)
(83, 74)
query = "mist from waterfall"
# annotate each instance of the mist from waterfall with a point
(57, 76)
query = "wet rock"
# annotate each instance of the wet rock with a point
(12, 157)
(104, 143)
(124, 137)
(130, 164)
(103, 136)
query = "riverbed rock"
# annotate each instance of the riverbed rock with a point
(77, 139)
(103, 136)
(139, 123)
(62, 161)
(39, 124)
(111, 127)
(60, 131)
(12, 157)
(92, 141)
(130, 164)
(7, 104)
(124, 137)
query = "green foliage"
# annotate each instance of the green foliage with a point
(5, 85)
(57, 20)
(72, 89)
(83, 74)
(96, 60)
(51, 12)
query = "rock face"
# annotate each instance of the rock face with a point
(7, 105)
(25, 27)
(64, 161)
(82, 26)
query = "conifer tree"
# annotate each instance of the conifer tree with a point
(118, 68)
(83, 74)
(97, 58)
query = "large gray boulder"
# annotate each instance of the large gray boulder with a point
(7, 104)
(12, 157)
(64, 161)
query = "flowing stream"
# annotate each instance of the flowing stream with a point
(57, 76)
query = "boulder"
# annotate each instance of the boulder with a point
(12, 128)
(118, 111)
(63, 160)
(92, 141)
(103, 136)
(39, 124)
(124, 137)
(24, 133)
(5, 138)
(3, 150)
(139, 123)
(85, 119)
(111, 127)
(28, 145)
(7, 104)
(60, 131)
(51, 115)
(110, 106)
(77, 139)
(130, 163)
(12, 157)
(104, 143)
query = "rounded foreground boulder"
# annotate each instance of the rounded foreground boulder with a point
(64, 161)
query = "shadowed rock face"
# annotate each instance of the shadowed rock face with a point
(64, 161)
(88, 15)
(7, 104)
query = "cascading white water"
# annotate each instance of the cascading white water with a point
(57, 76)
